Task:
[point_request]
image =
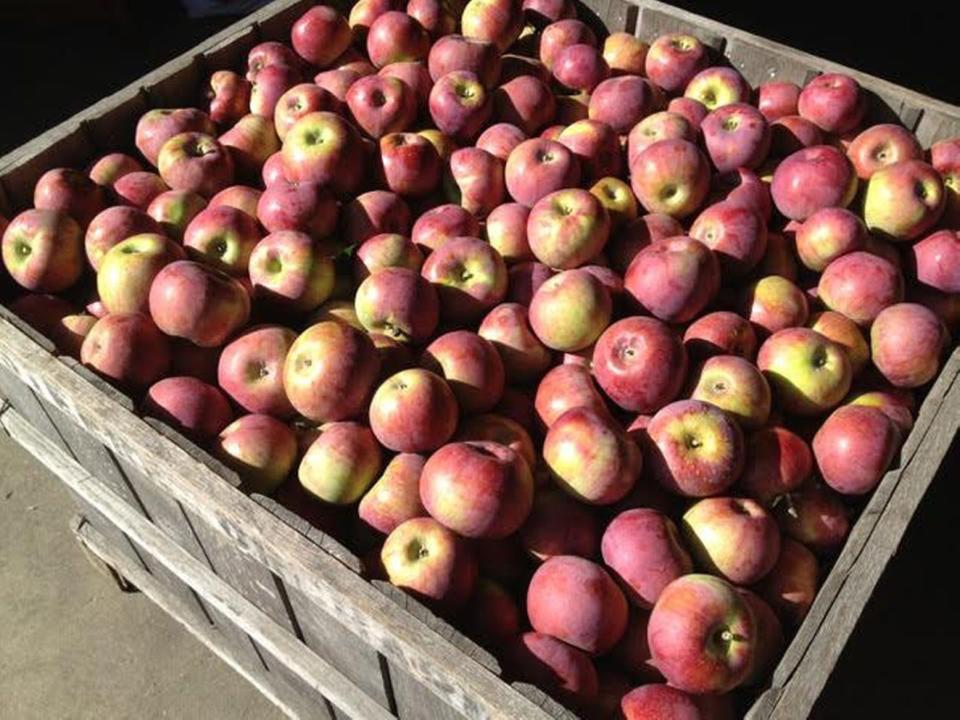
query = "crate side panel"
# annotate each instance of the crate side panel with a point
(760, 64)
(113, 129)
(655, 21)
(936, 125)
(610, 15)
(232, 54)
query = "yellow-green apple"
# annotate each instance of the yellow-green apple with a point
(474, 180)
(828, 234)
(301, 100)
(431, 562)
(694, 448)
(442, 223)
(173, 211)
(815, 516)
(395, 497)
(128, 350)
(43, 250)
(385, 250)
(506, 231)
(596, 147)
(673, 279)
(693, 110)
(396, 37)
(770, 640)
(671, 177)
(590, 457)
(654, 128)
(559, 525)
(792, 584)
(374, 213)
(736, 386)
(128, 269)
(734, 538)
(241, 197)
(834, 102)
(251, 141)
(564, 388)
(576, 601)
(500, 139)
(562, 34)
(896, 404)
(567, 228)
(617, 197)
(478, 489)
(630, 239)
(470, 278)
(70, 332)
(413, 411)
(138, 189)
(111, 167)
(269, 53)
(559, 669)
(381, 105)
(341, 463)
(736, 136)
(777, 99)
(399, 303)
(845, 332)
(71, 192)
(860, 285)
(460, 105)
(198, 303)
(524, 357)
(456, 52)
(269, 86)
(229, 96)
(190, 406)
(580, 67)
(716, 87)
(808, 373)
(640, 364)
(812, 179)
(936, 261)
(302, 206)
(157, 126)
(471, 366)
(260, 448)
(538, 167)
(324, 148)
(903, 200)
(490, 427)
(621, 102)
(882, 145)
(791, 133)
(702, 635)
(643, 550)
(112, 226)
(664, 701)
(330, 371)
(222, 237)
(906, 341)
(320, 35)
(274, 171)
(625, 53)
(778, 462)
(526, 102)
(289, 269)
(196, 162)
(735, 232)
(569, 311)
(250, 370)
(720, 333)
(773, 303)
(524, 280)
(408, 164)
(496, 21)
(674, 59)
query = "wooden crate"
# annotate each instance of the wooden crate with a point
(285, 604)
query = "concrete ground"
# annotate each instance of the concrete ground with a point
(72, 645)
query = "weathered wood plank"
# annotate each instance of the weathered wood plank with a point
(937, 125)
(657, 19)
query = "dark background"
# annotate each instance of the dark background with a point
(61, 56)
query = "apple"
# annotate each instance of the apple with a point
(190, 406)
(778, 462)
(338, 81)
(44, 313)
(113, 225)
(537, 167)
(443, 143)
(896, 404)
(693, 110)
(735, 385)
(791, 133)
(128, 269)
(111, 167)
(128, 350)
(289, 269)
(513, 66)
(442, 223)
(43, 250)
(617, 197)
(560, 669)
(320, 35)
(506, 231)
(195, 162)
(251, 141)
(408, 164)
(499, 429)
(70, 332)
(156, 127)
(674, 59)
(779, 259)
(596, 147)
(381, 105)
(640, 364)
(500, 139)
(301, 100)
(812, 179)
(815, 516)
(906, 341)
(580, 67)
(625, 53)
(460, 105)
(559, 525)
(570, 310)
(241, 197)
(561, 34)
(260, 448)
(936, 261)
(628, 240)
(324, 148)
(621, 102)
(526, 102)
(563, 388)
(736, 233)
(301, 206)
(229, 96)
(654, 128)
(671, 177)
(882, 145)
(673, 279)
(523, 355)
(250, 370)
(773, 303)
(492, 617)
(567, 228)
(845, 332)
(458, 53)
(470, 278)
(828, 234)
(471, 366)
(269, 53)
(341, 463)
(374, 213)
(834, 102)
(395, 497)
(363, 13)
(541, 13)
(904, 200)
(702, 635)
(415, 75)
(792, 584)
(664, 701)
(139, 189)
(474, 180)
(777, 99)
(273, 172)
(860, 285)
(736, 135)
(222, 237)
(643, 549)
(173, 210)
(576, 601)
(269, 86)
(808, 373)
(385, 250)
(717, 87)
(524, 280)
(70, 192)
(413, 411)
(720, 333)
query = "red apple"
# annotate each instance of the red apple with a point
(301, 206)
(381, 105)
(792, 133)
(222, 237)
(500, 139)
(828, 234)
(773, 303)
(112, 226)
(625, 53)
(43, 250)
(808, 373)
(458, 53)
(289, 269)
(559, 525)
(190, 406)
(628, 240)
(128, 269)
(792, 584)
(580, 67)
(570, 310)
(374, 213)
(111, 167)
(736, 136)
(470, 278)
(845, 332)
(261, 449)
(777, 99)
(812, 179)
(195, 162)
(324, 148)
(717, 87)
(860, 285)
(556, 667)
(127, 349)
(564, 388)
(524, 357)
(173, 210)
(906, 341)
(474, 180)
(460, 105)
(567, 228)
(815, 516)
(720, 333)
(673, 59)
(526, 102)
(471, 366)
(409, 164)
(395, 497)
(673, 279)
(440, 224)
(269, 86)
(735, 385)
(621, 102)
(882, 145)
(903, 200)
(157, 126)
(671, 177)
(834, 101)
(139, 189)
(320, 35)
(413, 411)
(596, 147)
(537, 167)
(229, 95)
(654, 128)
(250, 370)
(70, 192)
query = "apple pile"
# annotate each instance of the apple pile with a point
(585, 343)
